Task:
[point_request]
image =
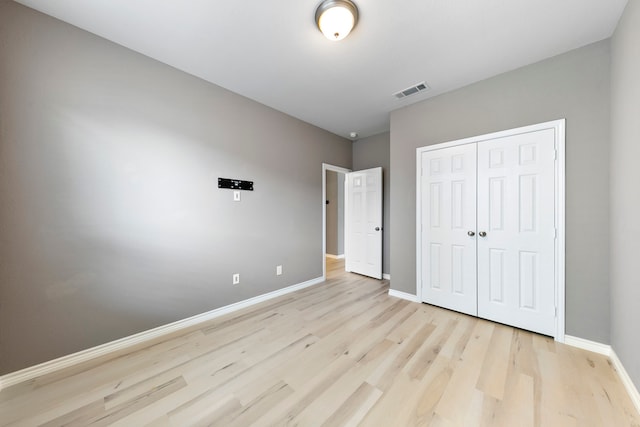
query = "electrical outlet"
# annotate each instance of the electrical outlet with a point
(278, 270)
(236, 278)
(236, 196)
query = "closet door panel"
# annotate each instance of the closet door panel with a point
(448, 216)
(516, 210)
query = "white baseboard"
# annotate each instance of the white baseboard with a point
(386, 276)
(608, 351)
(334, 256)
(588, 345)
(32, 372)
(403, 295)
(626, 380)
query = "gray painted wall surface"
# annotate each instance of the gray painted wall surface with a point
(625, 196)
(575, 86)
(335, 213)
(369, 153)
(111, 221)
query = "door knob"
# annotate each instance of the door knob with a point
(482, 234)
(471, 233)
(377, 228)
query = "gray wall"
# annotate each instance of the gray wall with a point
(372, 152)
(574, 86)
(111, 221)
(335, 213)
(625, 196)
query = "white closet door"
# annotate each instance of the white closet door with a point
(516, 211)
(448, 226)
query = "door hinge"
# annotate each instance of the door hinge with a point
(555, 154)
(556, 311)
(555, 233)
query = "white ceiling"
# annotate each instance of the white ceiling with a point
(272, 52)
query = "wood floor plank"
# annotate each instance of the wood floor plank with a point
(355, 407)
(419, 408)
(430, 350)
(389, 406)
(342, 353)
(258, 378)
(391, 366)
(210, 404)
(493, 373)
(289, 408)
(462, 387)
(253, 410)
(339, 391)
(518, 407)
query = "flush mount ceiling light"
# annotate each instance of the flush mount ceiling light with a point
(336, 18)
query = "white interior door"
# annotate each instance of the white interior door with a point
(516, 230)
(448, 242)
(363, 225)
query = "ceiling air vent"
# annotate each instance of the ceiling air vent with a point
(420, 87)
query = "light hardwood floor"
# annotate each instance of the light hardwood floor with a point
(342, 353)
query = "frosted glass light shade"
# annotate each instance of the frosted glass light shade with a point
(336, 18)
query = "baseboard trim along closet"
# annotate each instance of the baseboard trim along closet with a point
(386, 276)
(63, 362)
(588, 345)
(608, 351)
(334, 256)
(403, 295)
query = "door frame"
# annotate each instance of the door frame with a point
(559, 127)
(327, 167)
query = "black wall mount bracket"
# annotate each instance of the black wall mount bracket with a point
(235, 184)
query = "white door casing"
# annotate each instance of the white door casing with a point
(516, 283)
(363, 224)
(520, 182)
(448, 194)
